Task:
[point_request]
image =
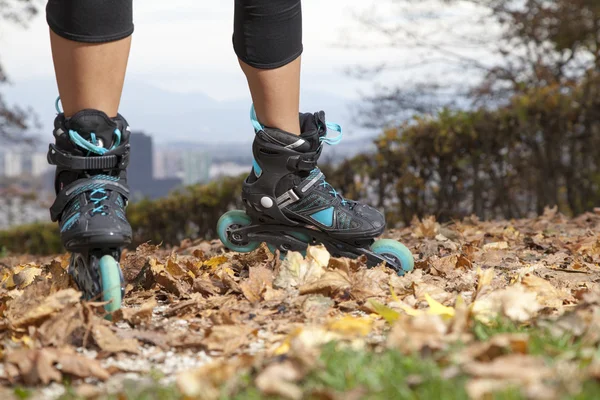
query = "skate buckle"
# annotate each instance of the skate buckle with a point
(287, 198)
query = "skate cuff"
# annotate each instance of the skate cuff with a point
(76, 163)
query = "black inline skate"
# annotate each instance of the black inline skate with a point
(289, 204)
(91, 155)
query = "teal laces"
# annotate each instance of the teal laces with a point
(90, 145)
(330, 127)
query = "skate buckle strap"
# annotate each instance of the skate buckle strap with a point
(86, 185)
(287, 198)
(305, 161)
(77, 163)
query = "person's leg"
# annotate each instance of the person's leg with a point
(90, 76)
(268, 42)
(90, 46)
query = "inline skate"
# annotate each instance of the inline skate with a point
(289, 204)
(91, 154)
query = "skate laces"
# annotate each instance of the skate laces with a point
(99, 208)
(90, 145)
(334, 192)
(330, 126)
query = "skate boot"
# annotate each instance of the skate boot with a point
(290, 205)
(91, 154)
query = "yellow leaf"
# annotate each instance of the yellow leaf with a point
(485, 278)
(411, 311)
(436, 308)
(393, 293)
(215, 261)
(387, 313)
(351, 326)
(283, 349)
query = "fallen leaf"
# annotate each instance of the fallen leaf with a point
(107, 341)
(280, 380)
(227, 338)
(30, 314)
(136, 316)
(496, 246)
(259, 281)
(297, 271)
(206, 382)
(387, 313)
(514, 302)
(351, 326)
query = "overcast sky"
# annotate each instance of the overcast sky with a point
(185, 45)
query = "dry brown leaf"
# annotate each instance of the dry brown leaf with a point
(150, 336)
(81, 366)
(60, 329)
(162, 277)
(316, 306)
(514, 302)
(41, 365)
(425, 228)
(26, 276)
(46, 307)
(330, 283)
(525, 369)
(60, 278)
(496, 246)
(136, 316)
(173, 267)
(495, 347)
(298, 271)
(444, 265)
(206, 382)
(259, 281)
(547, 295)
(280, 380)
(412, 334)
(35, 366)
(227, 338)
(107, 341)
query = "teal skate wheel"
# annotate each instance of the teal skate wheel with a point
(395, 252)
(230, 221)
(300, 236)
(110, 275)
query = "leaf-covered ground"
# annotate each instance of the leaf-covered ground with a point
(510, 308)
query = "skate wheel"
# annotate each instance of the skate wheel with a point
(300, 236)
(396, 252)
(110, 275)
(230, 221)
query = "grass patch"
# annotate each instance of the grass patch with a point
(541, 341)
(385, 375)
(133, 390)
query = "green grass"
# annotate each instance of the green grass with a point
(134, 390)
(541, 341)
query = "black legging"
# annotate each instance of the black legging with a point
(267, 33)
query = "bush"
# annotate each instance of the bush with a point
(536, 151)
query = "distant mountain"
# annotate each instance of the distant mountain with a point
(170, 116)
